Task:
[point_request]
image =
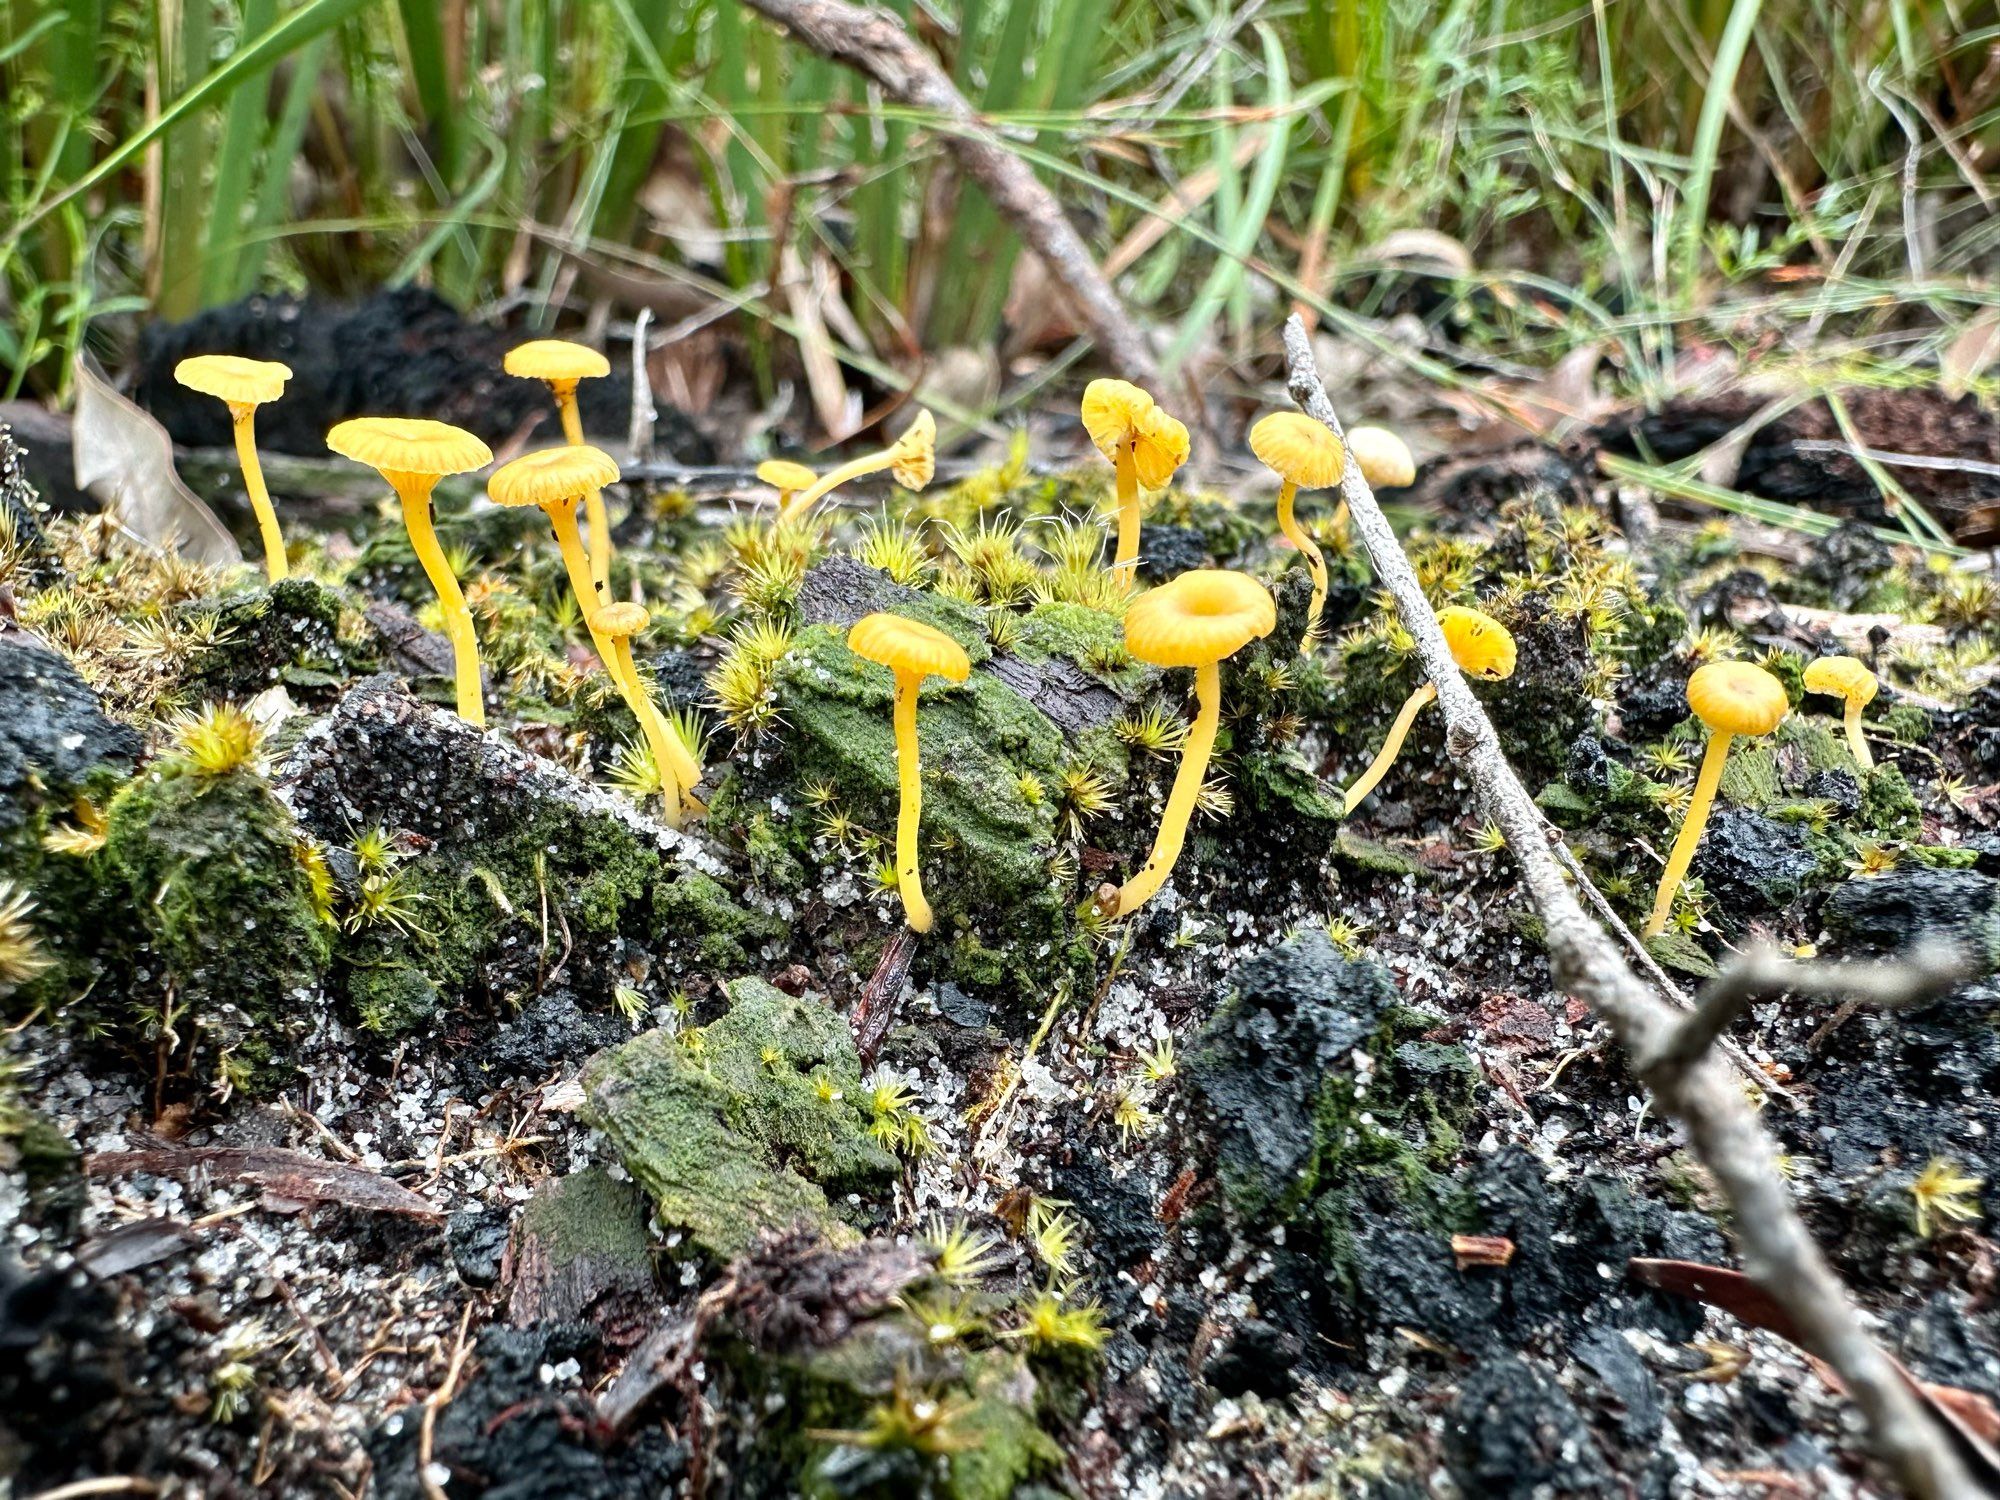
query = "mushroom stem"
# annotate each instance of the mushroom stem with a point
(855, 468)
(1288, 523)
(1125, 563)
(1705, 783)
(909, 812)
(589, 592)
(1852, 719)
(1180, 801)
(668, 753)
(414, 491)
(593, 500)
(244, 419)
(1386, 756)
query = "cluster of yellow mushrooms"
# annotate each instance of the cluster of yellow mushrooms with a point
(1196, 620)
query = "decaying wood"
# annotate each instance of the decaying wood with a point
(874, 43)
(1702, 1095)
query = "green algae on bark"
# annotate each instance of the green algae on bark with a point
(757, 1127)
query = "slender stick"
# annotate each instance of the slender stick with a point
(1722, 1131)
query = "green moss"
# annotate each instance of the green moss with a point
(1815, 742)
(288, 632)
(1371, 857)
(756, 1130)
(392, 998)
(1907, 723)
(1678, 951)
(1943, 857)
(1090, 638)
(1889, 808)
(216, 936)
(1005, 1446)
(985, 847)
(589, 1215)
(1750, 779)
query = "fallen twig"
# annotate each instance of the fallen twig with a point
(437, 1402)
(874, 43)
(1702, 1095)
(285, 1176)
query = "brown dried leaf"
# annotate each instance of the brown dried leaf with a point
(289, 1176)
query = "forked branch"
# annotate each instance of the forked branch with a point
(1699, 1092)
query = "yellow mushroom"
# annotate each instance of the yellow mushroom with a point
(913, 651)
(1306, 456)
(1481, 646)
(1848, 679)
(245, 384)
(1384, 461)
(616, 624)
(560, 365)
(413, 454)
(1196, 620)
(558, 479)
(1730, 698)
(911, 460)
(1146, 446)
(787, 478)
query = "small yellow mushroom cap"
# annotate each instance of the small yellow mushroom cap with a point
(1384, 458)
(555, 359)
(1842, 677)
(620, 621)
(1161, 449)
(904, 645)
(1112, 411)
(1735, 697)
(915, 462)
(1480, 644)
(1198, 618)
(783, 474)
(409, 445)
(1298, 449)
(552, 476)
(231, 378)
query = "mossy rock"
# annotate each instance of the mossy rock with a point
(287, 633)
(498, 838)
(1889, 808)
(754, 1126)
(208, 926)
(986, 843)
(54, 734)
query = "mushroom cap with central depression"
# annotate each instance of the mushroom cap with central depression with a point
(409, 445)
(1480, 644)
(1842, 677)
(1198, 618)
(552, 476)
(621, 621)
(555, 359)
(908, 646)
(1735, 697)
(1296, 448)
(914, 458)
(232, 378)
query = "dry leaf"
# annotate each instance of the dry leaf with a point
(1967, 357)
(288, 1176)
(126, 460)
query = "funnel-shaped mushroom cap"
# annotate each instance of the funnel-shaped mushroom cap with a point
(555, 359)
(239, 381)
(914, 460)
(1298, 449)
(783, 474)
(904, 645)
(1480, 644)
(1112, 411)
(1161, 449)
(1734, 697)
(1384, 458)
(1842, 677)
(1199, 618)
(552, 476)
(620, 621)
(409, 445)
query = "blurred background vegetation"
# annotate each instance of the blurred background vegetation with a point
(1643, 176)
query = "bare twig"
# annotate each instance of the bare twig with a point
(437, 1402)
(1702, 1095)
(874, 43)
(1930, 969)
